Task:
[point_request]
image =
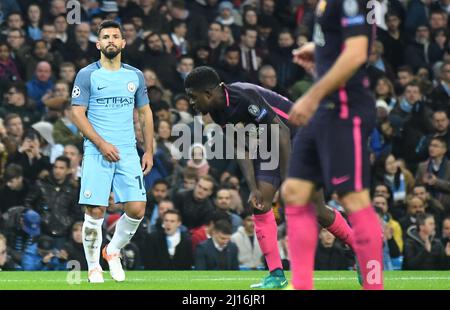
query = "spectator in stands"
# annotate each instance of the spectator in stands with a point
(195, 205)
(178, 30)
(15, 189)
(16, 101)
(158, 193)
(29, 156)
(250, 254)
(61, 27)
(55, 198)
(22, 229)
(440, 96)
(432, 205)
(422, 52)
(435, 172)
(74, 247)
(250, 59)
(416, 14)
(80, 50)
(73, 153)
(223, 204)
(6, 263)
(441, 124)
(391, 251)
(384, 90)
(64, 130)
(197, 159)
(43, 256)
(67, 73)
(34, 22)
(217, 253)
(215, 43)
(155, 57)
(230, 69)
(267, 77)
(446, 231)
(40, 84)
(422, 250)
(330, 254)
(392, 230)
(393, 39)
(48, 147)
(400, 181)
(405, 76)
(168, 248)
(13, 135)
(378, 67)
(184, 67)
(8, 66)
(415, 207)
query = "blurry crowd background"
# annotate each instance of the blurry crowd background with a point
(196, 206)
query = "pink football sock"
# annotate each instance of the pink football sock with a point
(266, 232)
(368, 247)
(302, 241)
(341, 230)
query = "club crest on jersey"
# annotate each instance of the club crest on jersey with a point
(131, 87)
(351, 7)
(321, 8)
(76, 92)
(253, 110)
(87, 194)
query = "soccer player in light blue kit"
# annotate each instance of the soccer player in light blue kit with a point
(103, 98)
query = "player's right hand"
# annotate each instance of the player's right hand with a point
(304, 56)
(256, 200)
(109, 151)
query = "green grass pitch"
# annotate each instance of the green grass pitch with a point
(215, 280)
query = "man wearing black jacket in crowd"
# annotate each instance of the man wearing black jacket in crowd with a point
(217, 252)
(195, 205)
(422, 250)
(55, 199)
(168, 248)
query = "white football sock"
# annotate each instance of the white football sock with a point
(125, 229)
(92, 240)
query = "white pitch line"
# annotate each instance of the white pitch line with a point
(222, 279)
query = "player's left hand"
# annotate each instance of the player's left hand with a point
(256, 200)
(147, 162)
(303, 109)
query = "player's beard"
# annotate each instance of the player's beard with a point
(110, 54)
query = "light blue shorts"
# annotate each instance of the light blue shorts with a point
(100, 177)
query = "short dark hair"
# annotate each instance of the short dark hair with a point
(11, 116)
(232, 48)
(173, 211)
(245, 29)
(223, 226)
(190, 173)
(202, 78)
(421, 218)
(160, 181)
(64, 159)
(217, 23)
(109, 24)
(439, 139)
(13, 171)
(405, 69)
(178, 4)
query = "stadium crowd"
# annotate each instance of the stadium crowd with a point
(197, 213)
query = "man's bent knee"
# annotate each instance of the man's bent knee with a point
(96, 212)
(296, 191)
(355, 201)
(135, 209)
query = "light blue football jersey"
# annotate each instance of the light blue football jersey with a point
(110, 97)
